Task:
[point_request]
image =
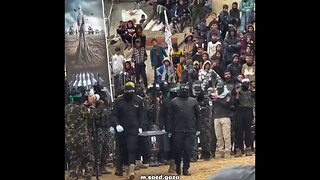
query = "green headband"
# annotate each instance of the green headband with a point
(75, 96)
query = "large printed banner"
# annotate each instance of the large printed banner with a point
(85, 44)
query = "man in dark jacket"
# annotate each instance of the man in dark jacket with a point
(244, 118)
(184, 116)
(189, 74)
(234, 67)
(224, 19)
(235, 14)
(163, 121)
(232, 45)
(139, 35)
(181, 14)
(127, 117)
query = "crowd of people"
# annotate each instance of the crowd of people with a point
(205, 90)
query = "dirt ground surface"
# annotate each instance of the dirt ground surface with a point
(200, 170)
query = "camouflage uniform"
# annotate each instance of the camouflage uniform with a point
(205, 128)
(101, 148)
(78, 140)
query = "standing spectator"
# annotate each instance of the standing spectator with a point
(232, 45)
(157, 54)
(117, 67)
(246, 8)
(249, 68)
(235, 15)
(139, 35)
(117, 61)
(139, 57)
(224, 19)
(187, 49)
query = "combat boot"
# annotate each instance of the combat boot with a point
(186, 173)
(227, 154)
(172, 167)
(131, 172)
(238, 153)
(140, 165)
(104, 170)
(185, 170)
(119, 171)
(94, 171)
(248, 152)
(178, 169)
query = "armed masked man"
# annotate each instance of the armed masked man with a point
(127, 116)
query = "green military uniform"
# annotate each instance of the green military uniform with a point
(78, 140)
(99, 139)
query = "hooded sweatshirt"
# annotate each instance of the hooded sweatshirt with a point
(205, 76)
(212, 48)
(164, 72)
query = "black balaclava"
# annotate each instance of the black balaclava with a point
(184, 90)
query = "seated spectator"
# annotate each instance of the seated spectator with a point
(165, 72)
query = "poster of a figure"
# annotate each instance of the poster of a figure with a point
(85, 44)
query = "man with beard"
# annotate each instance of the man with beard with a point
(249, 68)
(230, 84)
(222, 123)
(183, 118)
(77, 138)
(127, 116)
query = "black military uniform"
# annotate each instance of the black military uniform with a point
(184, 116)
(127, 116)
(205, 127)
(163, 124)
